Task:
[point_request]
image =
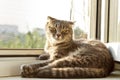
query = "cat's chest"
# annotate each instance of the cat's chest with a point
(56, 53)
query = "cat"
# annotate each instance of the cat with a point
(68, 58)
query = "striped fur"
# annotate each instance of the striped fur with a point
(75, 72)
(68, 58)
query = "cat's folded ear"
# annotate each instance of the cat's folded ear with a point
(71, 22)
(49, 18)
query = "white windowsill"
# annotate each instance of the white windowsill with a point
(114, 48)
(10, 66)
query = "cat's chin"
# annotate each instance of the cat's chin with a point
(57, 41)
(58, 38)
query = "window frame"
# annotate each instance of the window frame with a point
(93, 22)
(109, 18)
(20, 52)
(105, 13)
(113, 28)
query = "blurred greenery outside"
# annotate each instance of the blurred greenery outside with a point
(31, 40)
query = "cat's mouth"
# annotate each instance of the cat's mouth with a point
(58, 37)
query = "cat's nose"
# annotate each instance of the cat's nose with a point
(58, 35)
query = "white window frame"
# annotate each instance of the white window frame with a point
(109, 21)
(113, 26)
(92, 34)
(20, 52)
(105, 20)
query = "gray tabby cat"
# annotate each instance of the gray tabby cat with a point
(68, 58)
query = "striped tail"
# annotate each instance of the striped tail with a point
(73, 73)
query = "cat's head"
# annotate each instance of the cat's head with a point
(58, 30)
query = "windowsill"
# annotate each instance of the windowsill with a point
(114, 48)
(10, 66)
(12, 59)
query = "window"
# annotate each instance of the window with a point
(81, 14)
(22, 21)
(114, 27)
(110, 21)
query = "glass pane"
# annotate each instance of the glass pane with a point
(22, 22)
(118, 25)
(114, 24)
(118, 11)
(81, 16)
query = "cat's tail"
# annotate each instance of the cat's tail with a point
(73, 73)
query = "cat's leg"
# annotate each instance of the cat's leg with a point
(59, 69)
(69, 61)
(30, 75)
(77, 61)
(60, 63)
(29, 69)
(69, 67)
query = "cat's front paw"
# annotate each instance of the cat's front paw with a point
(27, 75)
(23, 74)
(26, 69)
(43, 56)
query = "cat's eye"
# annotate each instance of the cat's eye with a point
(65, 31)
(52, 29)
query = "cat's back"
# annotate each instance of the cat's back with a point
(90, 44)
(95, 48)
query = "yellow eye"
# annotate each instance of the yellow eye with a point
(52, 29)
(65, 31)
